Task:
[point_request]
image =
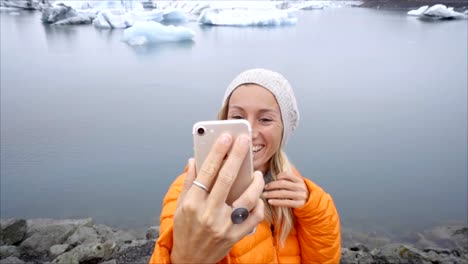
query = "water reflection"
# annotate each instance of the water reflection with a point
(57, 35)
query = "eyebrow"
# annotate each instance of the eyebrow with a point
(265, 110)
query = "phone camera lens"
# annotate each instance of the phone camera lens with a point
(201, 131)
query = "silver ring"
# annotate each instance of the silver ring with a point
(201, 185)
(252, 232)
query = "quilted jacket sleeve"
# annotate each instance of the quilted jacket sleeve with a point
(318, 227)
(163, 246)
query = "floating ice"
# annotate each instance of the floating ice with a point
(418, 12)
(147, 32)
(247, 17)
(174, 15)
(102, 4)
(442, 11)
(154, 15)
(113, 19)
(310, 6)
(438, 11)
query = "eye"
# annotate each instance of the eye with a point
(237, 117)
(266, 120)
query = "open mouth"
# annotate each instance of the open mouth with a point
(257, 148)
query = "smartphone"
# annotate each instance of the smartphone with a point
(205, 134)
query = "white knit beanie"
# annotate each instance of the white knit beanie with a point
(279, 87)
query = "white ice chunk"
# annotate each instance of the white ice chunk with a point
(154, 15)
(171, 14)
(418, 12)
(310, 6)
(441, 11)
(113, 19)
(146, 32)
(102, 4)
(247, 17)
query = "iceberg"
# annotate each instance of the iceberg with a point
(247, 17)
(174, 15)
(441, 11)
(150, 32)
(113, 19)
(102, 4)
(310, 6)
(418, 12)
(154, 15)
(118, 18)
(438, 11)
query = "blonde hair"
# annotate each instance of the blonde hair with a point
(282, 218)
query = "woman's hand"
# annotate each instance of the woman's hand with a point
(203, 230)
(288, 190)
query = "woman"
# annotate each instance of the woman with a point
(290, 219)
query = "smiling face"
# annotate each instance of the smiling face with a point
(257, 105)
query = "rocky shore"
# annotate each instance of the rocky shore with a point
(81, 241)
(411, 4)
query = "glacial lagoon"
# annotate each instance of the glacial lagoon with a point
(94, 127)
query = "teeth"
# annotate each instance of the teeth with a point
(257, 148)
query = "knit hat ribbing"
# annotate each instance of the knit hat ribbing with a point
(279, 87)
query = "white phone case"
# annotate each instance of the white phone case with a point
(204, 141)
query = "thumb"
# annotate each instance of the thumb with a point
(189, 178)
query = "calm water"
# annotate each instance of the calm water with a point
(93, 127)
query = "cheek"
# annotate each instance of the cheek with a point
(274, 136)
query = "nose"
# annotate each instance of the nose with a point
(254, 127)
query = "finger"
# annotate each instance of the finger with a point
(249, 198)
(256, 216)
(228, 173)
(210, 167)
(282, 184)
(189, 177)
(288, 176)
(285, 194)
(286, 203)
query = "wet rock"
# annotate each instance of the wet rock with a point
(9, 251)
(12, 231)
(44, 238)
(112, 261)
(91, 252)
(34, 225)
(119, 236)
(42, 234)
(83, 235)
(138, 253)
(356, 254)
(57, 250)
(152, 233)
(401, 253)
(11, 260)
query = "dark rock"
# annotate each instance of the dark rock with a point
(41, 241)
(152, 233)
(401, 253)
(12, 231)
(136, 253)
(87, 253)
(11, 260)
(9, 251)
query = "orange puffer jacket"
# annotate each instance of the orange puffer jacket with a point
(316, 238)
